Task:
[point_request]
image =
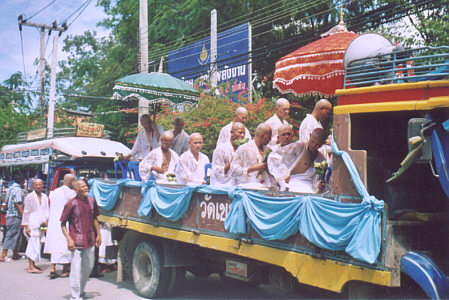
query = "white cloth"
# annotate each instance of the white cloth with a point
(223, 154)
(307, 126)
(56, 243)
(246, 156)
(156, 158)
(274, 122)
(180, 143)
(282, 161)
(142, 146)
(106, 240)
(189, 169)
(80, 268)
(225, 134)
(34, 214)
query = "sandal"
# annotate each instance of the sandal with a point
(64, 275)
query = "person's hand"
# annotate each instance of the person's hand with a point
(263, 166)
(157, 169)
(98, 241)
(164, 169)
(27, 231)
(70, 245)
(153, 126)
(321, 185)
(287, 180)
(46, 223)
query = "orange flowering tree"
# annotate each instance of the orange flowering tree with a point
(214, 112)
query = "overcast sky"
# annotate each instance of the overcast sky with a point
(10, 47)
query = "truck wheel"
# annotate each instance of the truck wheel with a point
(176, 279)
(149, 275)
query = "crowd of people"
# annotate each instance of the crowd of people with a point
(66, 222)
(269, 161)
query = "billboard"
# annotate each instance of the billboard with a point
(233, 55)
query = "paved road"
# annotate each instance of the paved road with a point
(16, 283)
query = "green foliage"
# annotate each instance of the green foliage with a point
(213, 113)
(13, 119)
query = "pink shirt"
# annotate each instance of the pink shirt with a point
(80, 213)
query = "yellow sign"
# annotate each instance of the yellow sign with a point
(36, 134)
(89, 130)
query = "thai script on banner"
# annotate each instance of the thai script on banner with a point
(89, 130)
(193, 61)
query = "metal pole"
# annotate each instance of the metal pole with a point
(250, 65)
(143, 41)
(213, 48)
(41, 103)
(51, 100)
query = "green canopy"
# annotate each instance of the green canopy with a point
(155, 87)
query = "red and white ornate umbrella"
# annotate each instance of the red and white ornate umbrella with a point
(316, 68)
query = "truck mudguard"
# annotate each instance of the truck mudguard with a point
(425, 272)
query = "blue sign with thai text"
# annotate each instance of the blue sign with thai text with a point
(193, 61)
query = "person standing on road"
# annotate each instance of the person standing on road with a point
(84, 234)
(34, 215)
(55, 242)
(14, 212)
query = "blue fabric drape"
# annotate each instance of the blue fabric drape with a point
(352, 227)
(171, 203)
(107, 194)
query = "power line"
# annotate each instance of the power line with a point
(42, 9)
(23, 56)
(82, 10)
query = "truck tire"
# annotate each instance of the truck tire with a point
(149, 275)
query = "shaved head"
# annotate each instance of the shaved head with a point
(166, 140)
(68, 180)
(262, 129)
(195, 143)
(237, 125)
(38, 185)
(241, 115)
(282, 108)
(322, 110)
(282, 102)
(195, 135)
(167, 135)
(284, 127)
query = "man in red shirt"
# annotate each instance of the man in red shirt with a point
(81, 212)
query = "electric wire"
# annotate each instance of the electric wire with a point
(23, 56)
(82, 10)
(42, 9)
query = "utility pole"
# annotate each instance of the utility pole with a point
(23, 22)
(51, 100)
(213, 48)
(143, 41)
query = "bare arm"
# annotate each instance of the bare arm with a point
(70, 243)
(97, 231)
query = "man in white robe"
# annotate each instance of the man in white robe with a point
(241, 115)
(35, 214)
(192, 163)
(320, 113)
(181, 140)
(248, 166)
(55, 242)
(147, 139)
(294, 164)
(285, 137)
(282, 109)
(222, 158)
(160, 162)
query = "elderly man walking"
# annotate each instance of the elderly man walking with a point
(84, 234)
(34, 215)
(55, 242)
(14, 212)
